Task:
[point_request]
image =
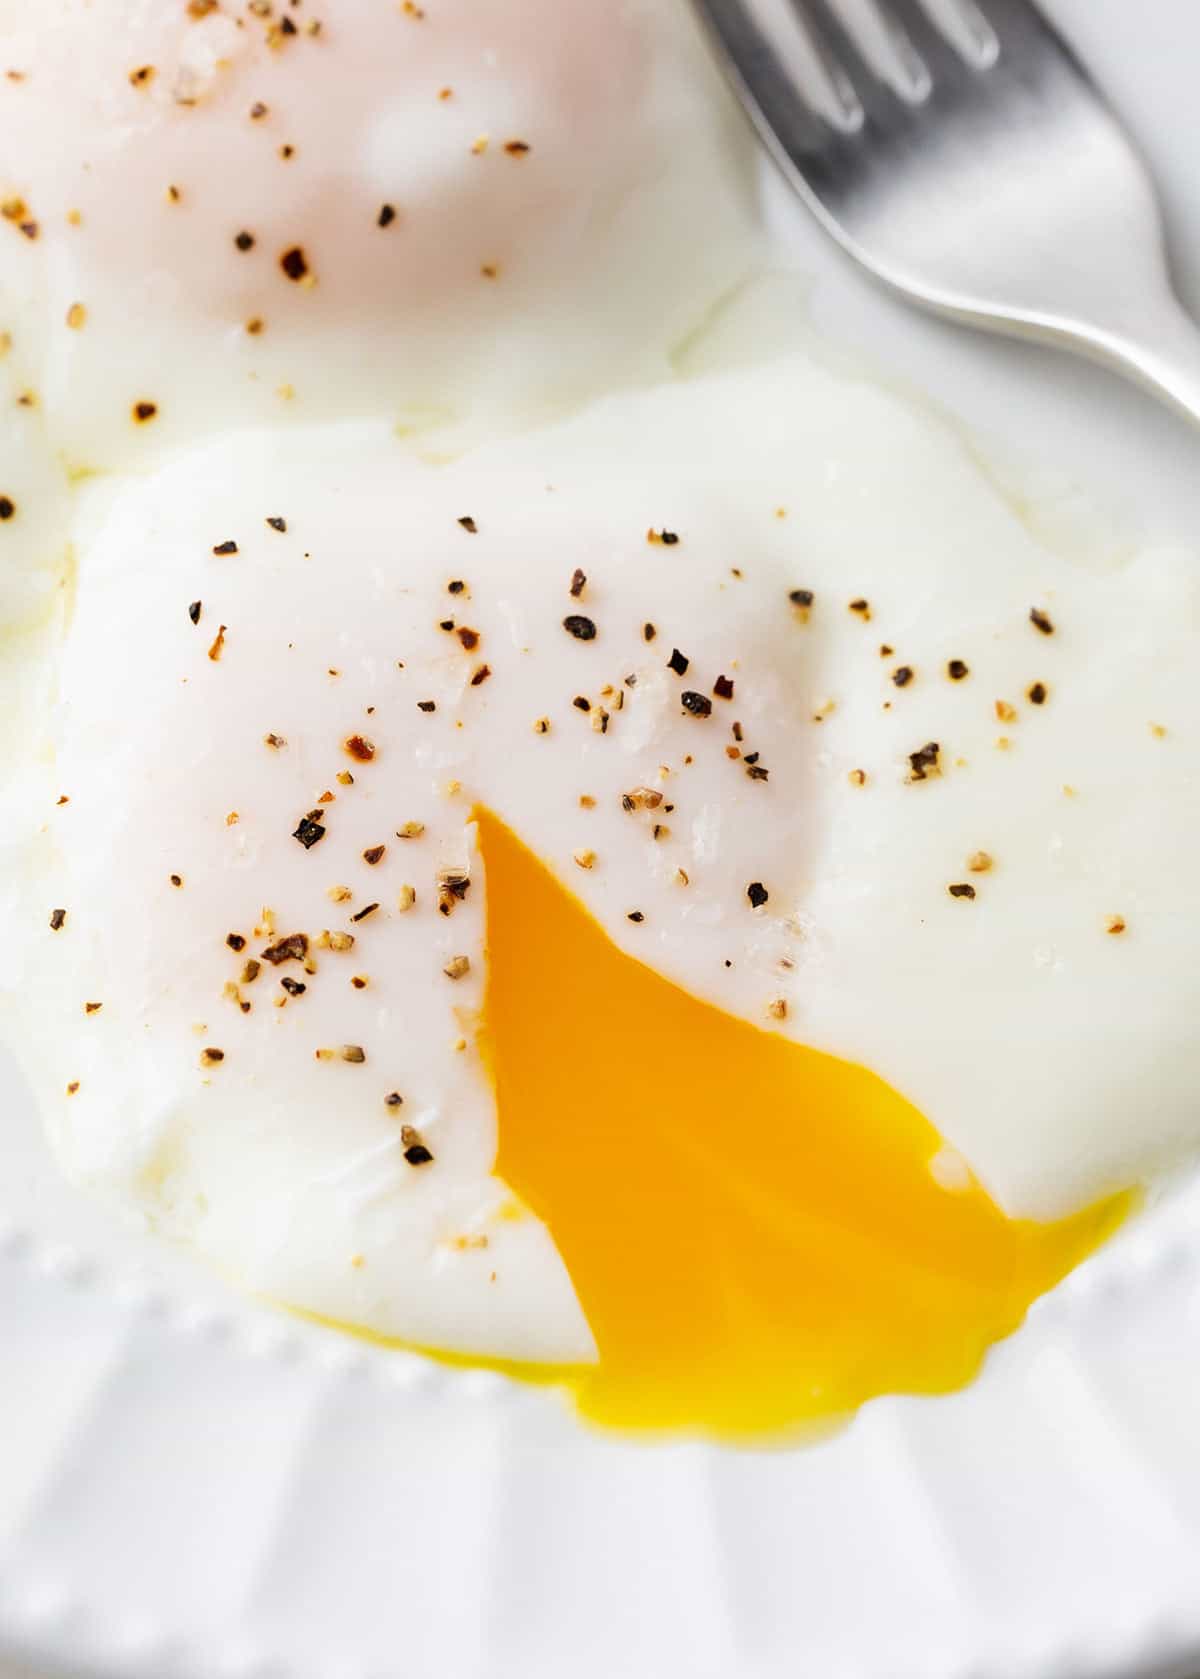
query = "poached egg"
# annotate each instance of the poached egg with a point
(685, 892)
(677, 889)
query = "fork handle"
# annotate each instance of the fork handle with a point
(1161, 353)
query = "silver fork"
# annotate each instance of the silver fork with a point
(974, 166)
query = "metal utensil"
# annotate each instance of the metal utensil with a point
(971, 163)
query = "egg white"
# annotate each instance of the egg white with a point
(507, 282)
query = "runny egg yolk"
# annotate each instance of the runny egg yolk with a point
(752, 1227)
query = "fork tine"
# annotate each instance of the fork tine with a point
(1019, 27)
(841, 57)
(767, 79)
(886, 87)
(981, 37)
(924, 36)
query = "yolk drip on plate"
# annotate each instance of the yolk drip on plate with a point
(751, 1226)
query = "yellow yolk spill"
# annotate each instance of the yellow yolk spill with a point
(752, 1227)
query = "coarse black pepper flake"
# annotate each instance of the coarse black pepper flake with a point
(293, 948)
(211, 1056)
(757, 894)
(957, 670)
(175, 879)
(861, 607)
(367, 909)
(373, 853)
(903, 675)
(426, 705)
(1037, 693)
(635, 915)
(583, 629)
(757, 772)
(469, 525)
(58, 919)
(925, 762)
(293, 987)
(288, 27)
(668, 539)
(723, 688)
(276, 523)
(244, 241)
(961, 889)
(309, 831)
(7, 507)
(417, 1154)
(257, 111)
(736, 732)
(228, 547)
(194, 611)
(446, 624)
(455, 586)
(648, 632)
(581, 703)
(468, 637)
(1041, 620)
(386, 216)
(578, 583)
(696, 705)
(143, 411)
(678, 662)
(481, 675)
(294, 263)
(235, 941)
(393, 1099)
(801, 597)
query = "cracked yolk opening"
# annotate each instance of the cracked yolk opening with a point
(752, 1227)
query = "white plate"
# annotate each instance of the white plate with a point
(195, 1487)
